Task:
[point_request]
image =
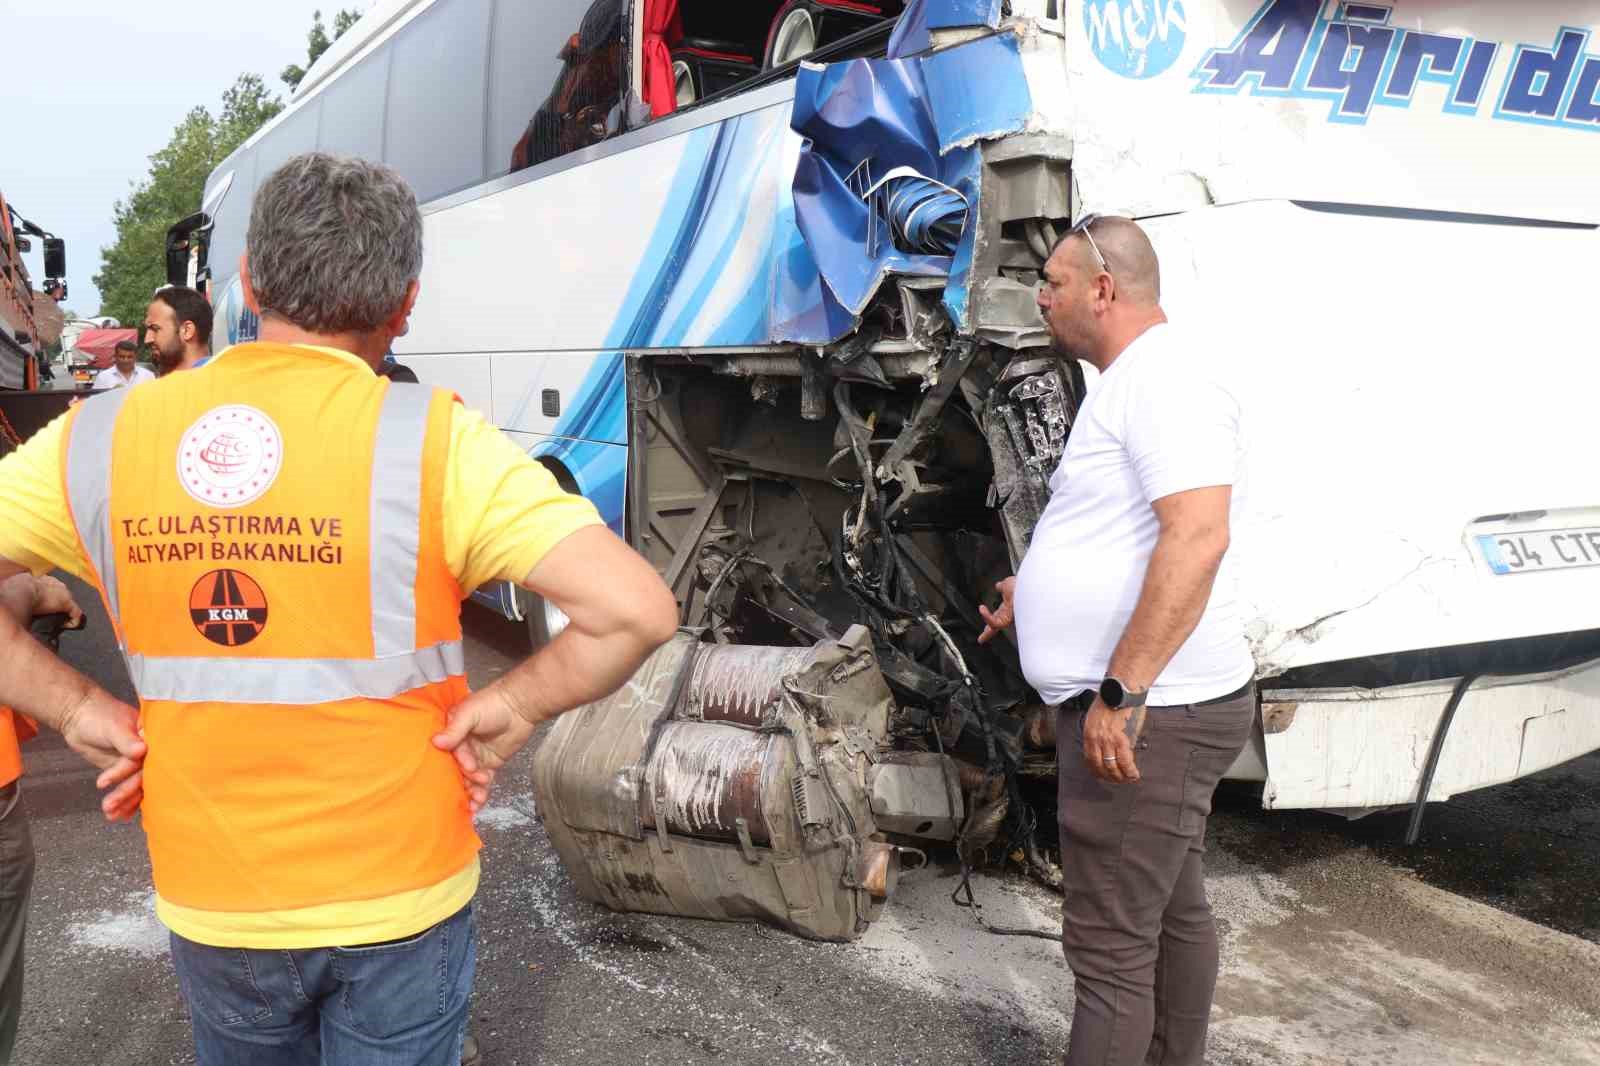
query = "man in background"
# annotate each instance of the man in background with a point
(395, 370)
(125, 370)
(177, 329)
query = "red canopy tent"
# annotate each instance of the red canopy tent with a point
(99, 344)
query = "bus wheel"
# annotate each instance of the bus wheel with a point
(545, 620)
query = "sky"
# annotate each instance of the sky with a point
(93, 87)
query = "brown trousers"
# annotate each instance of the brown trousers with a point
(1136, 927)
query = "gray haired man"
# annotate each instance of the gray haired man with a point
(284, 557)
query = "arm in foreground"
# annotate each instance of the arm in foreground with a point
(1177, 586)
(620, 612)
(96, 725)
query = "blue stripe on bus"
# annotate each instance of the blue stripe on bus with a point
(601, 471)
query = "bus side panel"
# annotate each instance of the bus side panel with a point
(586, 391)
(672, 243)
(469, 376)
(600, 472)
(1477, 106)
(1398, 409)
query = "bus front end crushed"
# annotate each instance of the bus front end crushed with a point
(831, 508)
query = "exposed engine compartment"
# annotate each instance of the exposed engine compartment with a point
(829, 520)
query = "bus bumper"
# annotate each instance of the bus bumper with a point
(1355, 748)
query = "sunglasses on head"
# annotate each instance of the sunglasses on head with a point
(1082, 226)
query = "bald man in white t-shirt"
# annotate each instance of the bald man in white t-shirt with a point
(1127, 622)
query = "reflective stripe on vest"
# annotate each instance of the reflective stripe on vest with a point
(398, 665)
(396, 519)
(300, 682)
(89, 484)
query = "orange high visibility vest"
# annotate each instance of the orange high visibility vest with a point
(14, 728)
(267, 534)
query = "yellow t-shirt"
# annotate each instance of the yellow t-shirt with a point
(502, 512)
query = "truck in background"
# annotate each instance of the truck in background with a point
(24, 406)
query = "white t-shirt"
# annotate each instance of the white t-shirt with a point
(1156, 422)
(111, 377)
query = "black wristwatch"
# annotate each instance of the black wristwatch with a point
(1119, 697)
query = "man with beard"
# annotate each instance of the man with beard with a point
(177, 328)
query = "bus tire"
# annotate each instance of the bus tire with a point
(544, 620)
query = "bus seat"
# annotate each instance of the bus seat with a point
(702, 66)
(802, 26)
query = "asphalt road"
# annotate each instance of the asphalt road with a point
(1480, 945)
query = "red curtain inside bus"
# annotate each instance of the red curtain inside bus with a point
(660, 23)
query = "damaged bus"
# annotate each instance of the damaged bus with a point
(759, 279)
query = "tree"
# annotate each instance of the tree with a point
(135, 266)
(317, 42)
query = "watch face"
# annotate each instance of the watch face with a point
(1111, 693)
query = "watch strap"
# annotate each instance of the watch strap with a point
(1119, 697)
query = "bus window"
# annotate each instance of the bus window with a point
(352, 110)
(296, 134)
(435, 124)
(714, 46)
(585, 105)
(525, 60)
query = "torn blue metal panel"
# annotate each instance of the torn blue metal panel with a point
(803, 311)
(912, 34)
(862, 120)
(963, 116)
(888, 177)
(959, 285)
(951, 14)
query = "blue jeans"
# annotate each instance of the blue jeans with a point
(402, 1003)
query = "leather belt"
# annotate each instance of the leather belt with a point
(1082, 700)
(1235, 694)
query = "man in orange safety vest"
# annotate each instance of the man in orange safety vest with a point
(282, 542)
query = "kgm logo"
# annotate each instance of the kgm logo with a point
(1136, 38)
(228, 608)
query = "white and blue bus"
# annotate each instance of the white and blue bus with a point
(759, 280)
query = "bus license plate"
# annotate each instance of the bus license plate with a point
(1540, 549)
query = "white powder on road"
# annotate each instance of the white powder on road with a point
(132, 928)
(1244, 898)
(924, 941)
(1367, 967)
(503, 816)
